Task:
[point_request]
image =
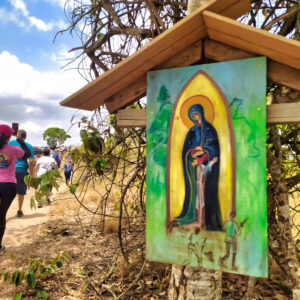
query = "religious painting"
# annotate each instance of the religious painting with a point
(206, 166)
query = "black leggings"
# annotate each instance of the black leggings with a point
(67, 176)
(8, 192)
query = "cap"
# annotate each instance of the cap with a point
(6, 130)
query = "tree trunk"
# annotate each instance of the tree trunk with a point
(281, 243)
(194, 4)
(189, 283)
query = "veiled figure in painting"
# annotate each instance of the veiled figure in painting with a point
(201, 165)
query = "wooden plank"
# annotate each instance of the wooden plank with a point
(186, 57)
(221, 52)
(132, 114)
(260, 42)
(127, 95)
(283, 74)
(131, 117)
(287, 113)
(166, 45)
(234, 11)
(276, 72)
(131, 123)
(137, 89)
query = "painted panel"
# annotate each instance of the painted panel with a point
(206, 166)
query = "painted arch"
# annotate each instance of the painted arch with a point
(200, 89)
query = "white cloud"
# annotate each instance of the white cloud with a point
(22, 79)
(40, 24)
(31, 98)
(63, 3)
(63, 56)
(9, 16)
(20, 16)
(59, 2)
(20, 5)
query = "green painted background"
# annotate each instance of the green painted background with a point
(244, 84)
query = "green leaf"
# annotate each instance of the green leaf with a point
(31, 280)
(18, 279)
(59, 264)
(99, 35)
(7, 276)
(22, 276)
(94, 162)
(32, 203)
(35, 268)
(42, 295)
(18, 296)
(72, 189)
(14, 277)
(56, 259)
(65, 256)
(83, 134)
(51, 269)
(56, 173)
(26, 179)
(102, 163)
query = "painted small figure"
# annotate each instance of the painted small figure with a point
(232, 230)
(195, 247)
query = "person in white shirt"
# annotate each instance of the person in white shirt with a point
(44, 164)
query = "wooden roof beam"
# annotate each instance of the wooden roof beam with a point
(276, 72)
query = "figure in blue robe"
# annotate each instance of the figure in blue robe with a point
(201, 165)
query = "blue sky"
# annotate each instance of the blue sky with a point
(32, 80)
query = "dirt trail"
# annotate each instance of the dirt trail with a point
(43, 233)
(64, 226)
(20, 231)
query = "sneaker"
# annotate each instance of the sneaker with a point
(40, 205)
(2, 249)
(20, 214)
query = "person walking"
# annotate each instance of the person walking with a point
(44, 164)
(22, 166)
(68, 169)
(8, 182)
(55, 155)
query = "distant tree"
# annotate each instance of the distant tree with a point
(55, 136)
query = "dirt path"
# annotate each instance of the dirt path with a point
(20, 231)
(43, 233)
(64, 226)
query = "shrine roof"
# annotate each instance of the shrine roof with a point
(182, 45)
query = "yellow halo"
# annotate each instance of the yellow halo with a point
(199, 99)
